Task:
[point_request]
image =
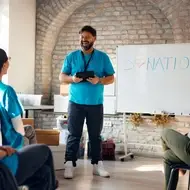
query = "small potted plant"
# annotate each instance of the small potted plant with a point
(136, 119)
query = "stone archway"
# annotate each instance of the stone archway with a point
(177, 12)
(52, 15)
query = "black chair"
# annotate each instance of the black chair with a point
(177, 167)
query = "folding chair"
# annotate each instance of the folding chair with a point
(177, 167)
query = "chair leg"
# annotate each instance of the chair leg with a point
(171, 180)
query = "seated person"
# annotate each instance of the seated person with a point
(176, 148)
(13, 131)
(32, 166)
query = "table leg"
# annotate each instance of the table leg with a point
(26, 113)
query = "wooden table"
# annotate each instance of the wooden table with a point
(33, 108)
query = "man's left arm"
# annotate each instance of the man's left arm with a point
(108, 72)
(107, 80)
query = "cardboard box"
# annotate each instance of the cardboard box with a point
(64, 89)
(47, 136)
(44, 136)
(28, 121)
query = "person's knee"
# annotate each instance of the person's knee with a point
(165, 133)
(74, 137)
(42, 149)
(95, 137)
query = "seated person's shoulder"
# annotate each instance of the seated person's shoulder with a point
(11, 90)
(7, 88)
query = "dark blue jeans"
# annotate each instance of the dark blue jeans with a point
(7, 180)
(36, 168)
(94, 120)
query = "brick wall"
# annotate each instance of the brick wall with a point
(142, 140)
(117, 22)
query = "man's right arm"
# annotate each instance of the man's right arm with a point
(65, 75)
(65, 79)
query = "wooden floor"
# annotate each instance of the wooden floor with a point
(138, 174)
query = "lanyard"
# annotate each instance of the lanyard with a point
(86, 64)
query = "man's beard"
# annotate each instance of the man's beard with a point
(86, 45)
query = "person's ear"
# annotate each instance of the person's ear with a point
(5, 66)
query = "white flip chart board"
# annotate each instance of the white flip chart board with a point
(153, 78)
(109, 90)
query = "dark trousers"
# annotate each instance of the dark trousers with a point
(94, 120)
(176, 151)
(36, 168)
(7, 180)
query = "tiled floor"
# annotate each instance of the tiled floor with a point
(137, 174)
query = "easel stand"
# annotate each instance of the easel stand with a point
(131, 155)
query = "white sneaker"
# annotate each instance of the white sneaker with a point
(98, 169)
(23, 188)
(69, 170)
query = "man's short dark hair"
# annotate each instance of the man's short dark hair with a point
(88, 29)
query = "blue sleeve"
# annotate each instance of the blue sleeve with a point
(108, 67)
(12, 103)
(66, 68)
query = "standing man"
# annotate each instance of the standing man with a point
(86, 98)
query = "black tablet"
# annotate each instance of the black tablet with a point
(85, 75)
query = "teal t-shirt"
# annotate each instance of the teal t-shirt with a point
(10, 107)
(11, 162)
(84, 92)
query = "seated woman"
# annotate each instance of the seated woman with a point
(176, 148)
(31, 166)
(10, 110)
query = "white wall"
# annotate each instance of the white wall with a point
(4, 28)
(4, 24)
(22, 24)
